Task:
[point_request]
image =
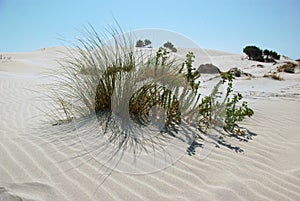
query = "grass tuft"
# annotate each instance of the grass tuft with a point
(101, 73)
(289, 67)
(274, 76)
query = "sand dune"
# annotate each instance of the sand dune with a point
(44, 162)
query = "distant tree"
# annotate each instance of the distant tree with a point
(254, 53)
(147, 43)
(266, 53)
(270, 55)
(274, 55)
(267, 56)
(260, 58)
(139, 43)
(170, 46)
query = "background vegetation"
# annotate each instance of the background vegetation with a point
(256, 54)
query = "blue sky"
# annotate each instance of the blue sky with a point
(227, 25)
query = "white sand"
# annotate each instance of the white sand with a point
(47, 163)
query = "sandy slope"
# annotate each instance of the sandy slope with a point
(42, 162)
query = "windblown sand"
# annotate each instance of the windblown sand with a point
(40, 162)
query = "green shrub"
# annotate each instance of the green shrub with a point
(225, 113)
(101, 77)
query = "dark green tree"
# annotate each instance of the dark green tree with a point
(266, 53)
(274, 55)
(147, 43)
(267, 56)
(170, 46)
(270, 55)
(254, 53)
(139, 43)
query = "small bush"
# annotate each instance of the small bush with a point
(287, 68)
(239, 73)
(274, 76)
(224, 112)
(191, 73)
(236, 72)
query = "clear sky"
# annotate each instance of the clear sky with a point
(227, 25)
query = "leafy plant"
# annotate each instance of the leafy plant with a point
(235, 113)
(225, 113)
(191, 73)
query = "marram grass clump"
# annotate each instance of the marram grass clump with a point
(132, 78)
(104, 75)
(101, 73)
